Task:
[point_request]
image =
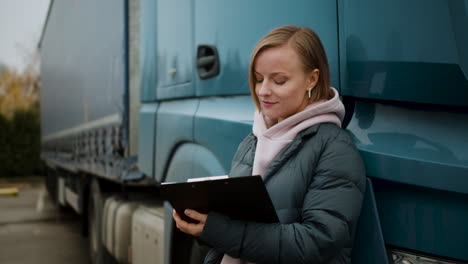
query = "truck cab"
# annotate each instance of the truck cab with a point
(140, 92)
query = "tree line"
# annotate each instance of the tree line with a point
(20, 136)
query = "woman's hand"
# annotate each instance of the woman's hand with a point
(189, 228)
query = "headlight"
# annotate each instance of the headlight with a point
(402, 257)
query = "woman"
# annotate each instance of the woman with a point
(310, 166)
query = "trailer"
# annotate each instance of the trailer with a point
(139, 92)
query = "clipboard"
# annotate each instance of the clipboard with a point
(240, 198)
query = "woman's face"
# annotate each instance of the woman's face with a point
(281, 83)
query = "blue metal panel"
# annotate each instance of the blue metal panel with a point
(234, 27)
(222, 123)
(147, 138)
(369, 247)
(418, 146)
(83, 63)
(419, 164)
(166, 49)
(174, 126)
(405, 50)
(148, 54)
(422, 219)
(411, 51)
(174, 45)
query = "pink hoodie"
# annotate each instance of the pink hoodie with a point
(270, 141)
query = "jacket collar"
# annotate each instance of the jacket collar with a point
(289, 150)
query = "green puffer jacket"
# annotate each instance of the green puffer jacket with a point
(316, 184)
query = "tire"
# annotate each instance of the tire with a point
(52, 187)
(97, 252)
(51, 184)
(94, 222)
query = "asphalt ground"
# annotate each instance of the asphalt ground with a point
(33, 230)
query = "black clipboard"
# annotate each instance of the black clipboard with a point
(241, 198)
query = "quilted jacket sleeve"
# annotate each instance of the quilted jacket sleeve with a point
(330, 211)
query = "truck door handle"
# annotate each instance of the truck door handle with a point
(207, 61)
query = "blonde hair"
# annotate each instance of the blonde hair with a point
(308, 46)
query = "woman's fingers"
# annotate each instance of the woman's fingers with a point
(196, 215)
(189, 228)
(177, 219)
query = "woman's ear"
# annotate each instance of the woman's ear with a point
(313, 78)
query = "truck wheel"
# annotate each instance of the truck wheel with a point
(51, 184)
(95, 204)
(97, 252)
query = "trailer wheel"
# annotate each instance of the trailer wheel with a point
(96, 199)
(51, 184)
(97, 252)
(52, 177)
(94, 203)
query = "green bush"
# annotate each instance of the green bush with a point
(20, 144)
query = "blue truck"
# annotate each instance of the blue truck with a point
(138, 92)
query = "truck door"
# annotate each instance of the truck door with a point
(167, 81)
(233, 29)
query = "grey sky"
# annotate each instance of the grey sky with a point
(21, 23)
